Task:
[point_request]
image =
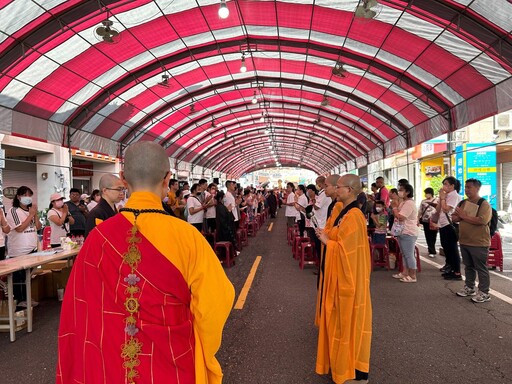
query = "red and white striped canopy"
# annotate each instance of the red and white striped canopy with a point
(330, 89)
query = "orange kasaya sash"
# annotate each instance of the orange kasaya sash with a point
(93, 319)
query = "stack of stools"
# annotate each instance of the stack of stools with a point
(495, 256)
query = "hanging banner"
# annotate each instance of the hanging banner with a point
(478, 161)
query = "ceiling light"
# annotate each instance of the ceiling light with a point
(223, 10)
(243, 68)
(254, 98)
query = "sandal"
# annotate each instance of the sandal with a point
(408, 279)
(398, 276)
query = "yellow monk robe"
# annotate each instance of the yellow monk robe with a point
(345, 328)
(212, 292)
(336, 210)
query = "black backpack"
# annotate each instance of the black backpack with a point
(493, 224)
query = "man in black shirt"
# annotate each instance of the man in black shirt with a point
(79, 211)
(112, 191)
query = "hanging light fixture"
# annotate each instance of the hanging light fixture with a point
(254, 98)
(223, 10)
(243, 68)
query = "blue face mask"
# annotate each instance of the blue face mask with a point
(26, 200)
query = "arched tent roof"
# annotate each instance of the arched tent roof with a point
(417, 69)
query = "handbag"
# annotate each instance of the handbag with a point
(397, 228)
(455, 227)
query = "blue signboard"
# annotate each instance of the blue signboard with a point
(478, 161)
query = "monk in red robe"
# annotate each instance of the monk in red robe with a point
(147, 298)
(345, 325)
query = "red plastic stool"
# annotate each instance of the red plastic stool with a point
(382, 252)
(307, 255)
(225, 248)
(297, 244)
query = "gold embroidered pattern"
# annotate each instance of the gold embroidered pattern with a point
(132, 348)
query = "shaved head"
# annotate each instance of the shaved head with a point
(108, 181)
(332, 179)
(353, 181)
(146, 165)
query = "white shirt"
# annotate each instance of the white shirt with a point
(91, 205)
(322, 202)
(210, 211)
(20, 243)
(230, 199)
(290, 210)
(303, 202)
(57, 230)
(452, 200)
(194, 218)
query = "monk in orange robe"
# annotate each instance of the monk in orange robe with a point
(332, 213)
(345, 325)
(147, 298)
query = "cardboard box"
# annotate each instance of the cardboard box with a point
(42, 285)
(20, 318)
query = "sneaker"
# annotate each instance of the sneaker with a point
(445, 268)
(432, 255)
(466, 292)
(481, 298)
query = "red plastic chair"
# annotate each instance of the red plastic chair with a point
(47, 232)
(495, 256)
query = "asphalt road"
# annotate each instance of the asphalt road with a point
(423, 333)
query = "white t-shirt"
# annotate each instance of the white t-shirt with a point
(290, 210)
(210, 211)
(20, 243)
(194, 218)
(452, 200)
(230, 199)
(91, 205)
(303, 202)
(408, 209)
(57, 230)
(322, 202)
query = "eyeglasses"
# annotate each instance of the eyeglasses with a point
(120, 190)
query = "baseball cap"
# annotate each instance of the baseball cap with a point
(55, 196)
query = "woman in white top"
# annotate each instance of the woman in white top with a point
(60, 219)
(406, 213)
(300, 206)
(24, 223)
(95, 199)
(5, 230)
(195, 208)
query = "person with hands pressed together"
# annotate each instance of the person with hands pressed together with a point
(195, 208)
(473, 216)
(345, 323)
(406, 213)
(24, 222)
(449, 198)
(60, 219)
